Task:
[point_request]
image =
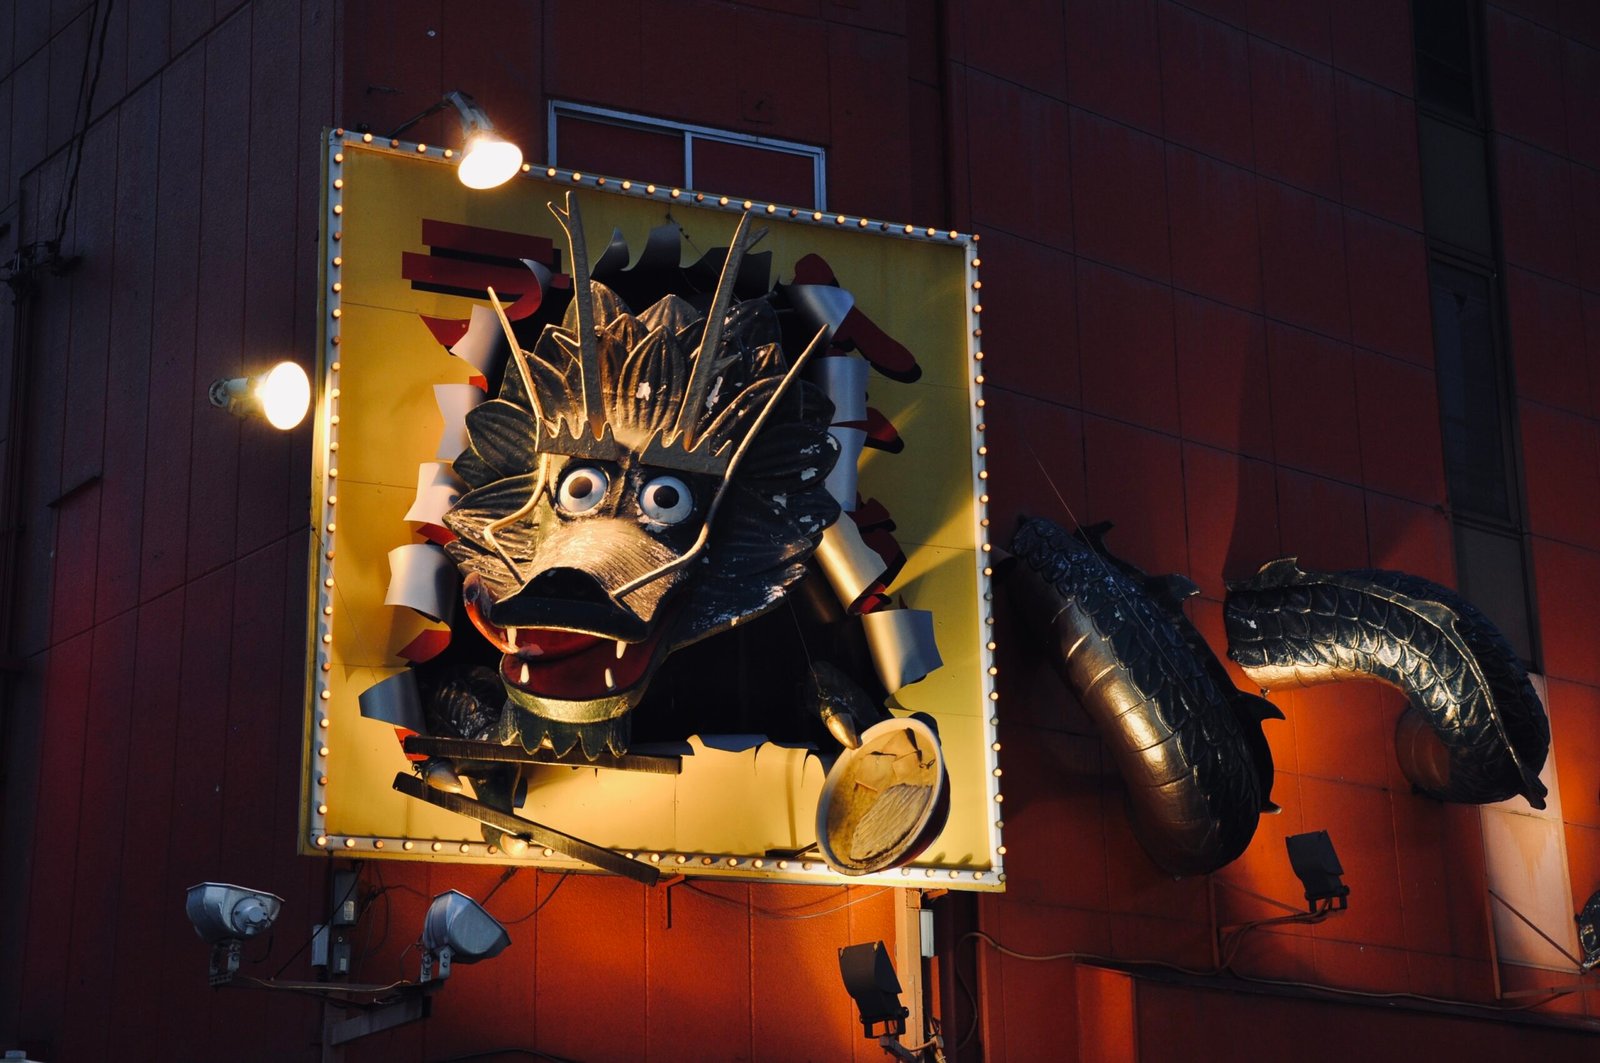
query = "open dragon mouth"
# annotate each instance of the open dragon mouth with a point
(569, 665)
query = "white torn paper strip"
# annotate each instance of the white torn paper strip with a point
(902, 645)
(821, 304)
(844, 379)
(484, 345)
(455, 402)
(438, 488)
(422, 577)
(395, 701)
(849, 563)
(841, 481)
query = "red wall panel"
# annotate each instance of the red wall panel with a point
(1206, 320)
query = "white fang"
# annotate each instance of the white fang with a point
(524, 674)
(611, 683)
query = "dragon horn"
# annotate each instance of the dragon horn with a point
(706, 357)
(571, 221)
(516, 356)
(727, 475)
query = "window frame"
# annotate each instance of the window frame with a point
(557, 109)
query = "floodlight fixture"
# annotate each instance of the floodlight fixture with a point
(488, 160)
(870, 980)
(282, 395)
(458, 930)
(225, 915)
(1588, 921)
(1312, 857)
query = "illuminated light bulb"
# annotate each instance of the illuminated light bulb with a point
(488, 161)
(285, 395)
(282, 394)
(408, 846)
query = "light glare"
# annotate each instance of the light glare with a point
(285, 395)
(488, 161)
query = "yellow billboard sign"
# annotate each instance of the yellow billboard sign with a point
(651, 533)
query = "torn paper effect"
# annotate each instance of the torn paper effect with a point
(822, 304)
(613, 258)
(663, 249)
(902, 645)
(853, 568)
(422, 577)
(395, 701)
(841, 481)
(484, 345)
(455, 401)
(844, 379)
(437, 490)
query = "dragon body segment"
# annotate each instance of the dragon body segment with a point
(1486, 736)
(1187, 742)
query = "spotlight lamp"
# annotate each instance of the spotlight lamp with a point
(458, 930)
(487, 159)
(1589, 932)
(282, 395)
(870, 980)
(224, 916)
(1312, 857)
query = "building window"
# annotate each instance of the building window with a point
(1477, 408)
(1443, 32)
(620, 144)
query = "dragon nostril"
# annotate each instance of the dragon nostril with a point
(568, 584)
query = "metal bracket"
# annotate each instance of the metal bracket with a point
(495, 753)
(534, 833)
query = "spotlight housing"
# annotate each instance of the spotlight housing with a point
(224, 915)
(1312, 857)
(458, 930)
(870, 980)
(487, 159)
(282, 395)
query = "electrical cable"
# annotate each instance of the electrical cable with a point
(355, 881)
(85, 105)
(548, 898)
(490, 1053)
(770, 913)
(1310, 917)
(511, 873)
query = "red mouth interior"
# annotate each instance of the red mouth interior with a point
(552, 663)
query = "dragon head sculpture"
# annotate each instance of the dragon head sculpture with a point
(641, 481)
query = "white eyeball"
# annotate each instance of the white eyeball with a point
(582, 488)
(666, 500)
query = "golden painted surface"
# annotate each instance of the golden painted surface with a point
(728, 803)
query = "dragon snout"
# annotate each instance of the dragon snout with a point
(568, 584)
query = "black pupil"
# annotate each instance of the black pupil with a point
(581, 486)
(666, 496)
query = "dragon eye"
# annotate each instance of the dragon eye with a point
(581, 489)
(666, 500)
